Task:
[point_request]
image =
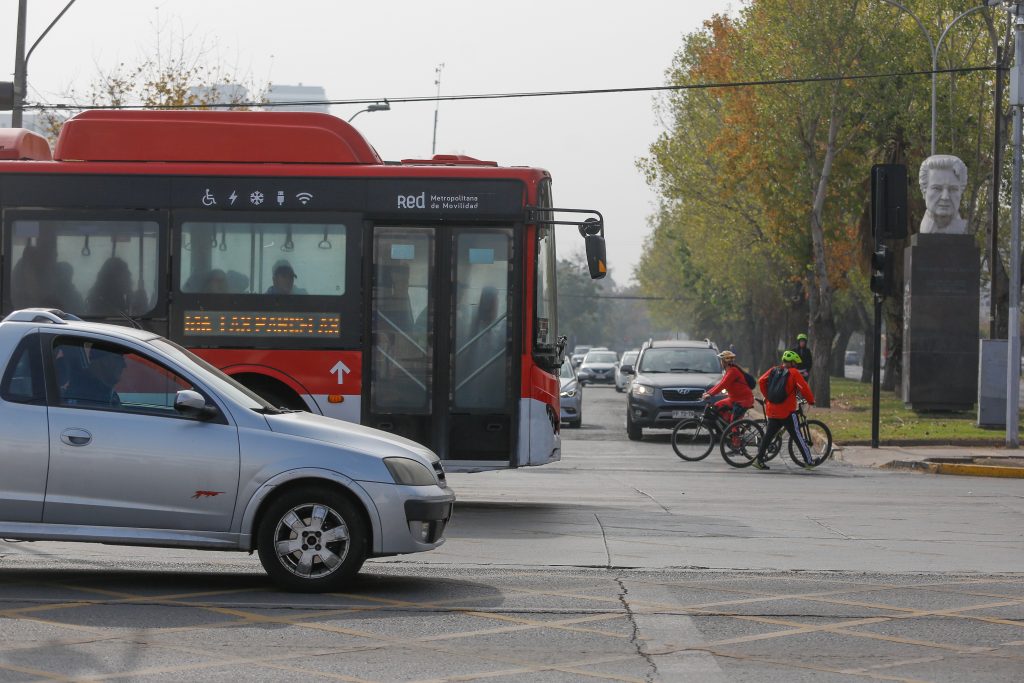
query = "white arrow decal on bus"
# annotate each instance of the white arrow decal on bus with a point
(341, 370)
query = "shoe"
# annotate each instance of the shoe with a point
(760, 464)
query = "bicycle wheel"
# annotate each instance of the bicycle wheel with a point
(740, 441)
(691, 440)
(775, 448)
(818, 438)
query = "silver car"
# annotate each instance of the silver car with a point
(598, 367)
(622, 379)
(571, 395)
(115, 435)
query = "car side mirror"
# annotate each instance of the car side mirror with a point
(192, 404)
(626, 369)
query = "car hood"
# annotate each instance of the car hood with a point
(664, 380)
(567, 383)
(597, 366)
(352, 437)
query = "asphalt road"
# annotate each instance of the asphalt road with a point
(620, 563)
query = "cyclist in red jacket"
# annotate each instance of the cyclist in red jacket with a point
(783, 414)
(740, 398)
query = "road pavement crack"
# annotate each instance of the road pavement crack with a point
(644, 493)
(604, 537)
(634, 637)
(832, 529)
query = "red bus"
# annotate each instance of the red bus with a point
(417, 297)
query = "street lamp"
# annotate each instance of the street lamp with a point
(1013, 327)
(935, 47)
(378, 106)
(21, 60)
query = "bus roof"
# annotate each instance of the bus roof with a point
(18, 144)
(213, 136)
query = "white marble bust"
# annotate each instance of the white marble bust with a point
(943, 180)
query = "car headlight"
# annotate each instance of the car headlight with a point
(568, 394)
(409, 472)
(643, 389)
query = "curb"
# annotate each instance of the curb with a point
(961, 469)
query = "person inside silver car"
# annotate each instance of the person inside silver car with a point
(95, 386)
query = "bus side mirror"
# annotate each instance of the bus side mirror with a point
(596, 261)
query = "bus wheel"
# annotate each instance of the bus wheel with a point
(311, 540)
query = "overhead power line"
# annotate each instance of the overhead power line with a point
(544, 93)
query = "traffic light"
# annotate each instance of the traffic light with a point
(881, 271)
(6, 96)
(889, 201)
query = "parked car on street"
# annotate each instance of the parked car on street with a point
(116, 435)
(624, 377)
(571, 395)
(598, 367)
(670, 378)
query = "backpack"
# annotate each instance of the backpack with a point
(775, 388)
(748, 378)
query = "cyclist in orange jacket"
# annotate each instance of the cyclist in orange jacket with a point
(740, 398)
(783, 413)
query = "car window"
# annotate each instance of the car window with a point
(605, 357)
(629, 357)
(23, 379)
(103, 376)
(701, 360)
(566, 370)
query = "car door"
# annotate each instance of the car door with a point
(121, 455)
(24, 448)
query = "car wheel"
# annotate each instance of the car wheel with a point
(578, 422)
(619, 389)
(633, 430)
(311, 539)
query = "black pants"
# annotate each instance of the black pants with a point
(792, 426)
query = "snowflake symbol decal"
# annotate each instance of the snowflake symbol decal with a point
(256, 198)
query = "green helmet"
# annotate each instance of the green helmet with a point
(801, 336)
(790, 357)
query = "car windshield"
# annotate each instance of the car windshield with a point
(629, 357)
(566, 371)
(680, 360)
(602, 357)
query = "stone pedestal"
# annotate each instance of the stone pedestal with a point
(940, 322)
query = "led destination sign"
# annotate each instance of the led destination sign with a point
(261, 324)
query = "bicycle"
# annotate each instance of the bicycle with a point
(693, 438)
(741, 440)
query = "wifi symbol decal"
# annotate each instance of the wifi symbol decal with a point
(304, 197)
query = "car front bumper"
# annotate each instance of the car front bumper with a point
(655, 412)
(413, 519)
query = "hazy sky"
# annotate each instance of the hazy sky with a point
(359, 49)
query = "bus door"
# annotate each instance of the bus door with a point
(442, 341)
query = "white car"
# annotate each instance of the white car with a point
(116, 435)
(622, 379)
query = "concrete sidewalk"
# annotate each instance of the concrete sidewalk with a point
(977, 461)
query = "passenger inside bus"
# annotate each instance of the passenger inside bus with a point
(111, 294)
(284, 279)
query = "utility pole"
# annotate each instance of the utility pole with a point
(1013, 330)
(19, 68)
(437, 104)
(21, 60)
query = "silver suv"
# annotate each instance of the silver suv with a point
(114, 435)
